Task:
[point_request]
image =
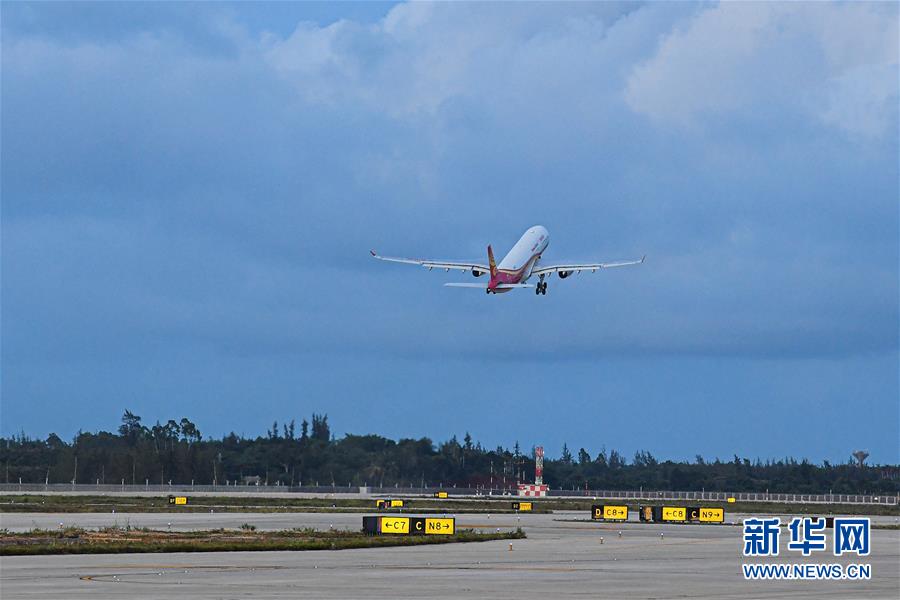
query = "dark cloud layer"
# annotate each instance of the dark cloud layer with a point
(189, 195)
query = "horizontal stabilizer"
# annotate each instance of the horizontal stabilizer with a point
(481, 286)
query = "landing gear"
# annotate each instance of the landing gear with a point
(541, 287)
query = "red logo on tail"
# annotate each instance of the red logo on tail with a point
(491, 261)
(493, 282)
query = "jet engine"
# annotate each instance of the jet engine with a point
(476, 273)
(564, 274)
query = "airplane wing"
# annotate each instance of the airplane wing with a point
(566, 270)
(436, 264)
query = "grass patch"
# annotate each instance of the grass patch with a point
(52, 503)
(552, 505)
(785, 508)
(121, 541)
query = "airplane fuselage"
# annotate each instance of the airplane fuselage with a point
(520, 261)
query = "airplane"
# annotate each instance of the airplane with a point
(516, 268)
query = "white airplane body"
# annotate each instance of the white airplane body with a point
(520, 264)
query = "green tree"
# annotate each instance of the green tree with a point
(320, 429)
(566, 457)
(131, 427)
(583, 457)
(616, 461)
(189, 431)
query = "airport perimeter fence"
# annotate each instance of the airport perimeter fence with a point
(86, 488)
(738, 497)
(236, 488)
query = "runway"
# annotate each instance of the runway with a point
(561, 558)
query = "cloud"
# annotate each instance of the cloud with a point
(441, 119)
(214, 194)
(423, 56)
(835, 62)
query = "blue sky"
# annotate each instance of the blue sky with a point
(190, 191)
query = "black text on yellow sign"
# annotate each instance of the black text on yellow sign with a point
(712, 515)
(395, 525)
(610, 512)
(417, 525)
(615, 513)
(440, 526)
(178, 500)
(441, 494)
(432, 526)
(522, 506)
(389, 503)
(674, 513)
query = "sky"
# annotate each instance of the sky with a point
(190, 193)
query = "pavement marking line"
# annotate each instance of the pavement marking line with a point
(196, 567)
(175, 569)
(606, 567)
(485, 568)
(151, 566)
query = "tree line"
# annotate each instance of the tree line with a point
(176, 452)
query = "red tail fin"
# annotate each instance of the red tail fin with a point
(491, 261)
